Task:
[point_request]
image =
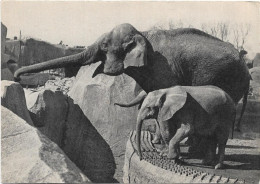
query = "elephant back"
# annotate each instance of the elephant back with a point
(210, 98)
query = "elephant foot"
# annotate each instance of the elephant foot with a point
(173, 155)
(164, 151)
(219, 166)
(156, 139)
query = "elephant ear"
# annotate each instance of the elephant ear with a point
(136, 52)
(169, 104)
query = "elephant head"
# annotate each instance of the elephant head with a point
(161, 105)
(122, 47)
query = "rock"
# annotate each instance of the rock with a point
(31, 51)
(63, 85)
(154, 168)
(96, 98)
(12, 97)
(256, 60)
(58, 118)
(30, 157)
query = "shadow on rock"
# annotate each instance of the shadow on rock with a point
(57, 117)
(86, 147)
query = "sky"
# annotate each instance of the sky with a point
(82, 22)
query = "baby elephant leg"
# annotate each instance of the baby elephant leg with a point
(157, 136)
(166, 134)
(180, 134)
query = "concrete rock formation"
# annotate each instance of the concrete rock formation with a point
(157, 169)
(57, 117)
(27, 155)
(96, 98)
(12, 97)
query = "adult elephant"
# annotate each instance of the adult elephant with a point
(161, 59)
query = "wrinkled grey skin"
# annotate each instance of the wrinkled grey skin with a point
(161, 59)
(182, 111)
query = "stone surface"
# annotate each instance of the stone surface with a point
(29, 157)
(157, 169)
(57, 117)
(31, 51)
(96, 98)
(12, 97)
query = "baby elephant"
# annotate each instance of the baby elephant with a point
(181, 111)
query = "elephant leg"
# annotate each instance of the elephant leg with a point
(166, 134)
(210, 154)
(221, 153)
(180, 134)
(222, 142)
(157, 136)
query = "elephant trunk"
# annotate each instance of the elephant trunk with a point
(139, 98)
(84, 58)
(138, 135)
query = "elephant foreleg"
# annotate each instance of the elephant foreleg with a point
(157, 136)
(184, 131)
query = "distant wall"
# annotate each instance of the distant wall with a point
(3, 37)
(32, 51)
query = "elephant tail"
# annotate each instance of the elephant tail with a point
(243, 108)
(138, 100)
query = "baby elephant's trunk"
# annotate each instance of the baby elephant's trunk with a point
(138, 135)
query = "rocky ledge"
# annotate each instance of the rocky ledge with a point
(28, 156)
(156, 169)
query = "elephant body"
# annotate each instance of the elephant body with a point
(190, 57)
(181, 111)
(162, 59)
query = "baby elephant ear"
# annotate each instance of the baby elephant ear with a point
(170, 104)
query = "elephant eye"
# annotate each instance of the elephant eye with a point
(104, 46)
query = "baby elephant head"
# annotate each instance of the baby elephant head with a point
(160, 105)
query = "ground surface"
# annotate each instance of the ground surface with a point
(242, 158)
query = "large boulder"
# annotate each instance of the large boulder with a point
(96, 98)
(12, 97)
(30, 157)
(27, 155)
(58, 118)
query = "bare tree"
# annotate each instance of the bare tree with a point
(223, 29)
(240, 33)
